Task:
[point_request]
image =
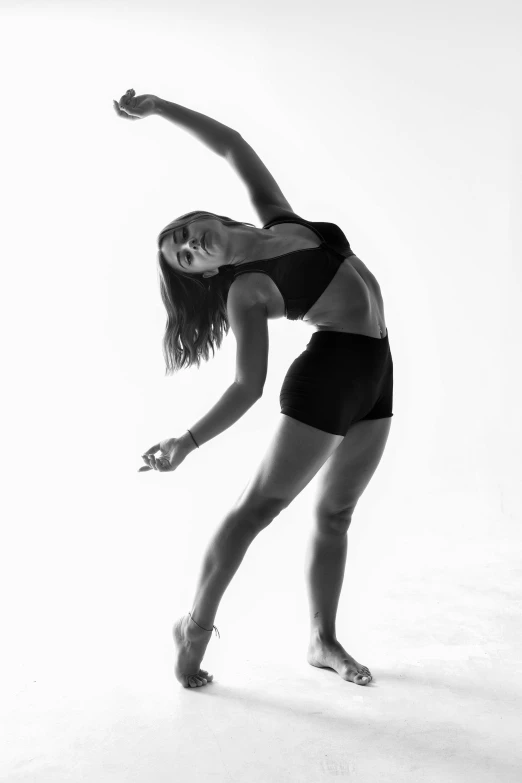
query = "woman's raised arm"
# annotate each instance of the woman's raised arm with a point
(213, 134)
(265, 194)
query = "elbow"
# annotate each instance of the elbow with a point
(251, 392)
(233, 139)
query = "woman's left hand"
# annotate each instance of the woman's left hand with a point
(172, 455)
(135, 107)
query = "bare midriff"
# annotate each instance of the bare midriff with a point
(352, 301)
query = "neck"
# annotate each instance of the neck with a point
(253, 244)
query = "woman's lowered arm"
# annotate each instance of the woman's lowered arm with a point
(248, 319)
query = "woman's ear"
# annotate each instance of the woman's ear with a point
(211, 273)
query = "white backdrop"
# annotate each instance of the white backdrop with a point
(401, 123)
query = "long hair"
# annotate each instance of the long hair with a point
(196, 306)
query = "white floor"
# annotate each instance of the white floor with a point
(431, 603)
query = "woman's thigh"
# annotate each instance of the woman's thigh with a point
(349, 470)
(338, 380)
(295, 454)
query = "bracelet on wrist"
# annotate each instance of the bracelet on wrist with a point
(192, 436)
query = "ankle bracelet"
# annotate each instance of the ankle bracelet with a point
(205, 629)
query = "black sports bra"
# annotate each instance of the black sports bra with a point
(302, 275)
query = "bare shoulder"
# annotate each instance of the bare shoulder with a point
(248, 289)
(277, 212)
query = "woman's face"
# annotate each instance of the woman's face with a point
(198, 247)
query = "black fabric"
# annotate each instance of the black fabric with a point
(339, 379)
(303, 275)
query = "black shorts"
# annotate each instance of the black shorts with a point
(339, 379)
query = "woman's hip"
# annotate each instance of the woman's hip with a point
(340, 378)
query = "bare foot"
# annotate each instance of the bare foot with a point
(191, 643)
(332, 655)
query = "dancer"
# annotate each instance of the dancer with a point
(217, 273)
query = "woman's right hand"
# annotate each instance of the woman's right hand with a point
(134, 107)
(173, 452)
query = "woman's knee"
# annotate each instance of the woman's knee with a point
(258, 510)
(334, 522)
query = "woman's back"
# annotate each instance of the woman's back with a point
(318, 280)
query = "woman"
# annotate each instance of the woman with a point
(336, 399)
